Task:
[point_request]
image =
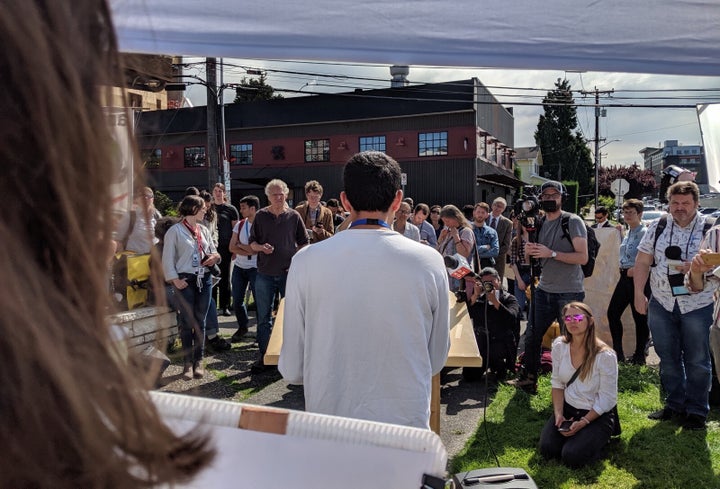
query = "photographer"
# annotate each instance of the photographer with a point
(496, 317)
(561, 279)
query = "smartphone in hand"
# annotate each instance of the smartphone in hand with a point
(565, 425)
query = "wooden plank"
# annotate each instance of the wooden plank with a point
(272, 354)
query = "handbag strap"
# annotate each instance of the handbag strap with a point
(572, 379)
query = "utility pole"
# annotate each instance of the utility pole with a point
(597, 136)
(213, 175)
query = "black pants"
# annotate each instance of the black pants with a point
(225, 267)
(585, 447)
(622, 297)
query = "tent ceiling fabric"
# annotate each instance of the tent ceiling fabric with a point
(652, 36)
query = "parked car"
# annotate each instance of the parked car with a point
(650, 216)
(708, 210)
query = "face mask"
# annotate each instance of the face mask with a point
(549, 205)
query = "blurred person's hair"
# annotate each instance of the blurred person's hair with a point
(422, 207)
(453, 212)
(208, 198)
(684, 188)
(313, 186)
(75, 412)
(468, 210)
(636, 204)
(251, 201)
(192, 191)
(276, 182)
(371, 180)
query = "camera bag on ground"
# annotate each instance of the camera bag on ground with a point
(499, 477)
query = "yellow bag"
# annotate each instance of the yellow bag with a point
(131, 279)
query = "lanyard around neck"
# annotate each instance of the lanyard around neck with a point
(369, 222)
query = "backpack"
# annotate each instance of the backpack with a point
(593, 244)
(662, 224)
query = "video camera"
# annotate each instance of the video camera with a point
(526, 209)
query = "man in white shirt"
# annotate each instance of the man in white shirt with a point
(245, 269)
(369, 349)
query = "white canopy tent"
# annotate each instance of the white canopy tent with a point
(652, 36)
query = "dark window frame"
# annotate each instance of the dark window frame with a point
(372, 143)
(317, 150)
(239, 158)
(431, 143)
(195, 156)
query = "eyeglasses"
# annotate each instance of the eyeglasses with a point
(403, 212)
(434, 212)
(629, 212)
(574, 317)
(549, 196)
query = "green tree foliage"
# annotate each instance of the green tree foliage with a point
(164, 204)
(642, 182)
(565, 153)
(254, 89)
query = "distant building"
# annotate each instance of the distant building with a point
(528, 161)
(453, 140)
(671, 153)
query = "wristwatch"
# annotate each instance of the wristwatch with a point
(554, 254)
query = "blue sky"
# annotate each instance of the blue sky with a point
(635, 127)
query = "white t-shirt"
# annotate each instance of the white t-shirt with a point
(244, 238)
(366, 326)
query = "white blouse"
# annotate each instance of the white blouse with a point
(598, 391)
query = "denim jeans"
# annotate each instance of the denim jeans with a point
(211, 321)
(241, 278)
(193, 304)
(266, 286)
(682, 343)
(520, 294)
(548, 308)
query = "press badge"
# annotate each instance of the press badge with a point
(195, 260)
(677, 284)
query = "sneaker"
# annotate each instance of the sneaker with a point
(694, 422)
(226, 312)
(198, 371)
(218, 344)
(259, 367)
(637, 360)
(665, 414)
(238, 335)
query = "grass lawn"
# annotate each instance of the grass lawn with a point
(648, 454)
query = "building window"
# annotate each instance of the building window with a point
(432, 143)
(135, 99)
(194, 156)
(372, 143)
(317, 150)
(151, 157)
(241, 154)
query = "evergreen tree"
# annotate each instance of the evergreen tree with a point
(253, 89)
(566, 156)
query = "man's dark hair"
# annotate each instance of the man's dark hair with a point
(468, 210)
(250, 201)
(684, 188)
(601, 210)
(489, 271)
(192, 191)
(333, 203)
(422, 207)
(371, 180)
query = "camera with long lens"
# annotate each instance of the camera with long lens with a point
(527, 208)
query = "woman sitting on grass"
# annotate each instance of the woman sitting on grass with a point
(584, 392)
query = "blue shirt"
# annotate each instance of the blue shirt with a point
(486, 240)
(629, 246)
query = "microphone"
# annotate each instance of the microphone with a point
(458, 267)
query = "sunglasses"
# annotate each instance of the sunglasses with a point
(574, 317)
(434, 212)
